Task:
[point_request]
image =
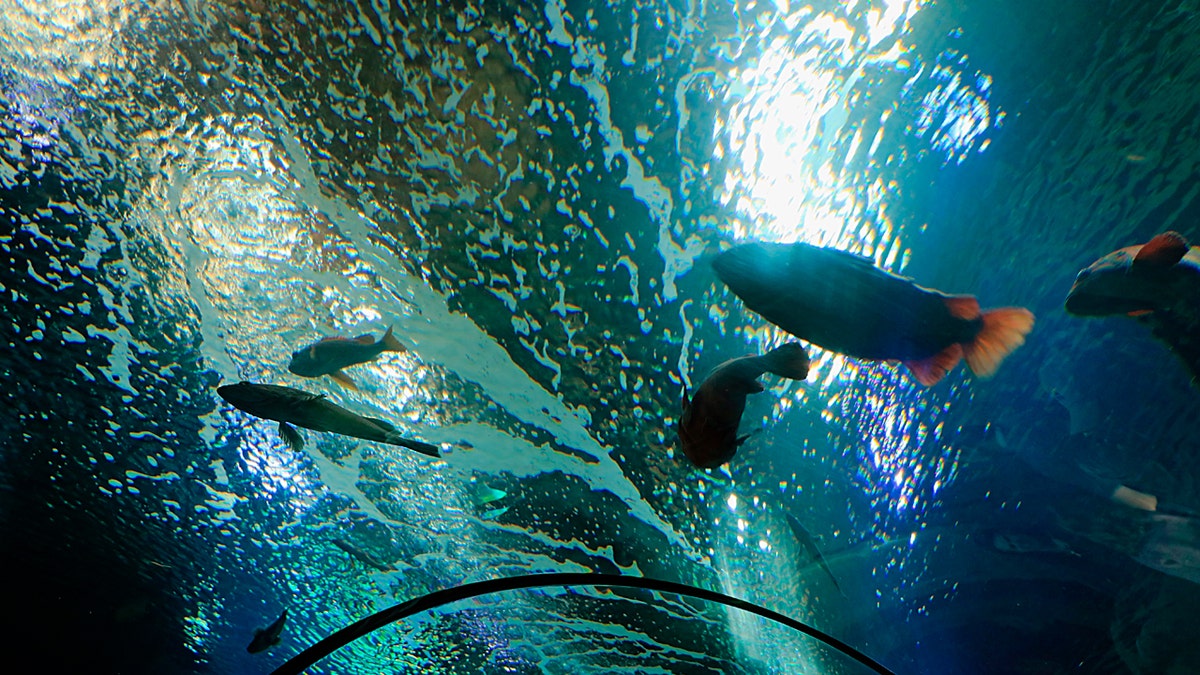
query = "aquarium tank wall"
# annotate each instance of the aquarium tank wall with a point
(782, 332)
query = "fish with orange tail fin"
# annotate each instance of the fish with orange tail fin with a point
(844, 303)
(709, 425)
(1158, 283)
(330, 355)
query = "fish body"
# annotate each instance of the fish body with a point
(363, 556)
(290, 406)
(810, 545)
(330, 355)
(265, 638)
(709, 424)
(843, 303)
(1025, 542)
(1158, 283)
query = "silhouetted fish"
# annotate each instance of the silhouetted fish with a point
(329, 355)
(844, 303)
(265, 638)
(312, 411)
(1011, 541)
(1157, 282)
(709, 424)
(806, 540)
(363, 556)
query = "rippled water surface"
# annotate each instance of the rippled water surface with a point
(530, 195)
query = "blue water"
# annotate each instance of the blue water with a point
(530, 194)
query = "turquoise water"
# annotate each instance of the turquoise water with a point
(531, 194)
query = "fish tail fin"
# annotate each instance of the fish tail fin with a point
(427, 449)
(930, 371)
(391, 344)
(392, 436)
(789, 360)
(1004, 330)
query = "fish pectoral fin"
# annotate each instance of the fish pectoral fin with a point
(290, 436)
(741, 439)
(753, 387)
(344, 380)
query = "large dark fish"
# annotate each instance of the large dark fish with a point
(1158, 283)
(330, 355)
(844, 303)
(709, 424)
(313, 411)
(265, 638)
(806, 540)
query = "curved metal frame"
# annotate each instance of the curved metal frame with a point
(345, 636)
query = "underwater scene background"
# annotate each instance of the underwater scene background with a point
(530, 194)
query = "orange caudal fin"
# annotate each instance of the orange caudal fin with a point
(1004, 330)
(1164, 250)
(391, 344)
(931, 370)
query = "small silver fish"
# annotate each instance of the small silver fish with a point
(363, 556)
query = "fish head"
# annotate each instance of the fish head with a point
(305, 363)
(704, 444)
(241, 395)
(1114, 285)
(263, 400)
(753, 269)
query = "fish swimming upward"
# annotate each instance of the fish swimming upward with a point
(810, 545)
(709, 424)
(265, 638)
(363, 556)
(844, 303)
(329, 355)
(1158, 283)
(313, 411)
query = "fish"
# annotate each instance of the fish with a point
(363, 556)
(265, 638)
(1157, 283)
(844, 303)
(810, 544)
(482, 494)
(290, 406)
(330, 355)
(709, 424)
(1025, 542)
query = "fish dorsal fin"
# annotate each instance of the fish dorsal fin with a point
(963, 306)
(855, 258)
(383, 424)
(1161, 252)
(365, 339)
